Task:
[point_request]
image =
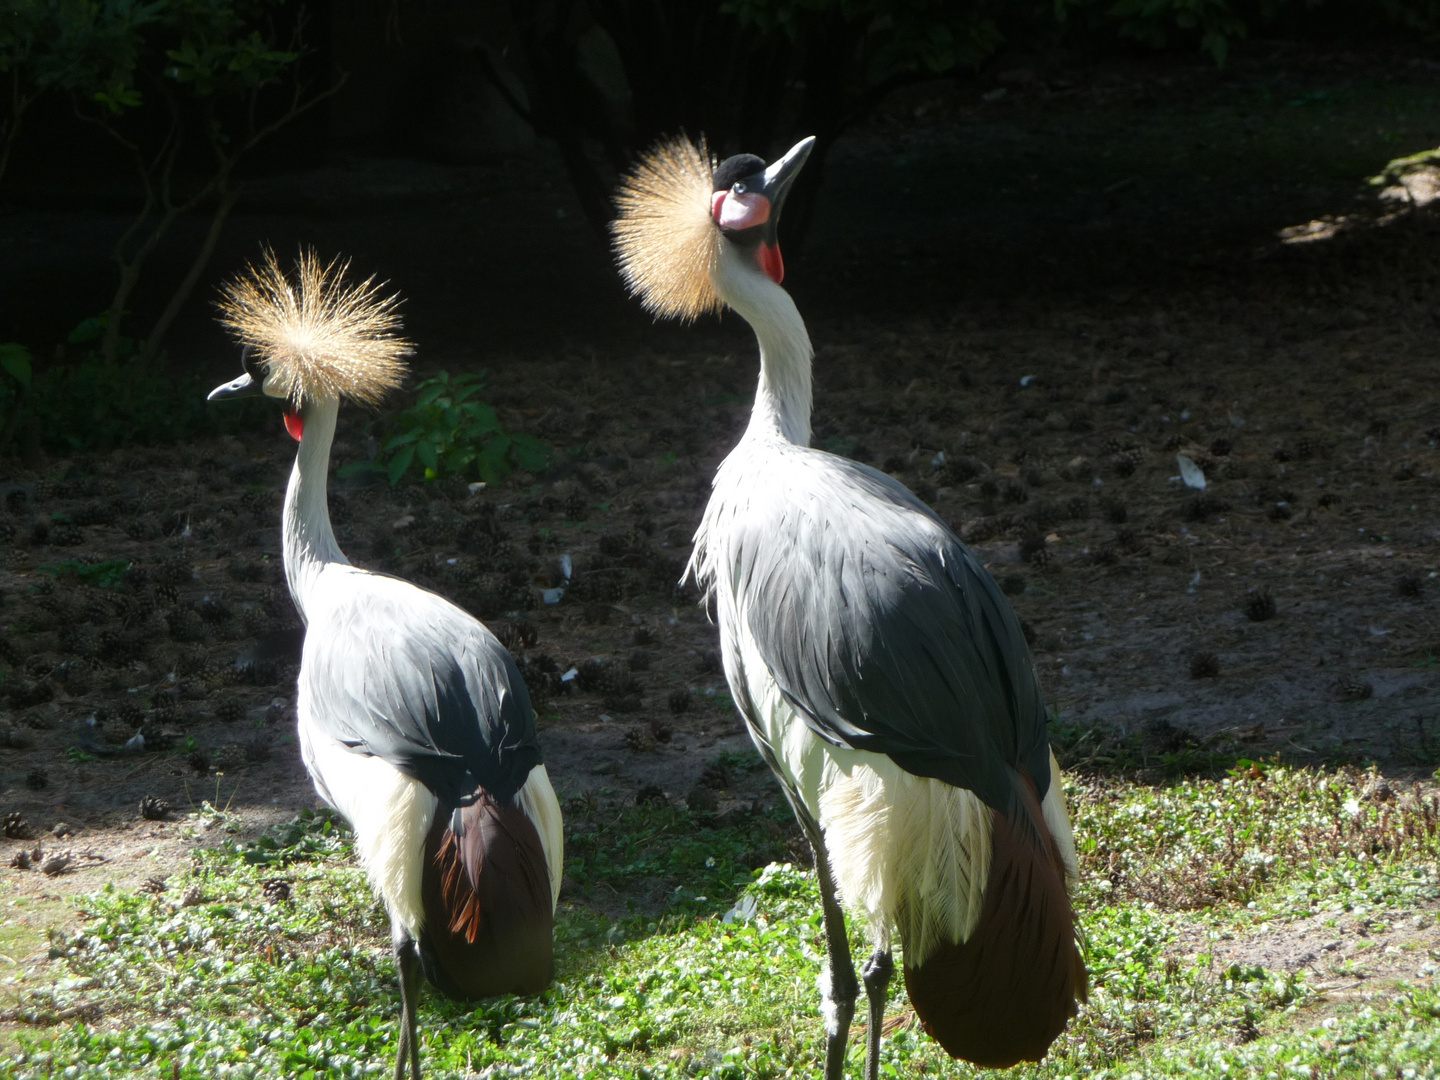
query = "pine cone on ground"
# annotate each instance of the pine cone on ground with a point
(1204, 665)
(1352, 688)
(276, 891)
(592, 674)
(56, 863)
(717, 775)
(1259, 605)
(229, 756)
(154, 808)
(12, 738)
(639, 740)
(16, 827)
(230, 711)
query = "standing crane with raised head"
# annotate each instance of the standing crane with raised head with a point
(880, 671)
(414, 722)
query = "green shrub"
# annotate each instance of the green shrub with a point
(448, 433)
(81, 402)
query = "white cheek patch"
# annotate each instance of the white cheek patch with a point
(745, 211)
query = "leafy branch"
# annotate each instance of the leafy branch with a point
(202, 60)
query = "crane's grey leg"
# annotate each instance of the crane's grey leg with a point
(407, 963)
(876, 972)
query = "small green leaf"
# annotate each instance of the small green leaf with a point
(482, 418)
(495, 460)
(531, 454)
(15, 359)
(400, 462)
(89, 330)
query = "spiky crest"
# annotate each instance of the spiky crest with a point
(318, 335)
(665, 240)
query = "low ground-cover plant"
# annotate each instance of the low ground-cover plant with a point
(715, 977)
(1193, 844)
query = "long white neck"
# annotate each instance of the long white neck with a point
(783, 397)
(309, 541)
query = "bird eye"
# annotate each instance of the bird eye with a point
(739, 188)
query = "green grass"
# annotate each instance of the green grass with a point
(662, 974)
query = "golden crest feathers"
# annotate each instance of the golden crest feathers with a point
(318, 335)
(665, 240)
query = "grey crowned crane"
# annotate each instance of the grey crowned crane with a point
(414, 722)
(880, 671)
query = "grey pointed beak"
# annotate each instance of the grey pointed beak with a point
(780, 175)
(247, 385)
(244, 386)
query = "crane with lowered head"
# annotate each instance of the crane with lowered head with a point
(880, 671)
(414, 722)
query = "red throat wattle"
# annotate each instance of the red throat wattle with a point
(771, 262)
(294, 425)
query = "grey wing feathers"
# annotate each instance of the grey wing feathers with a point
(404, 675)
(884, 631)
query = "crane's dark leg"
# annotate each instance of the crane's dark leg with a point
(407, 963)
(876, 972)
(838, 988)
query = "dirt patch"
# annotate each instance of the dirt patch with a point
(1334, 951)
(1347, 960)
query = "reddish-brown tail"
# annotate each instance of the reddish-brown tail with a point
(489, 918)
(1005, 994)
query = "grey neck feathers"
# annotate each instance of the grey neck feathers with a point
(783, 397)
(309, 541)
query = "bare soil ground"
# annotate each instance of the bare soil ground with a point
(1030, 358)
